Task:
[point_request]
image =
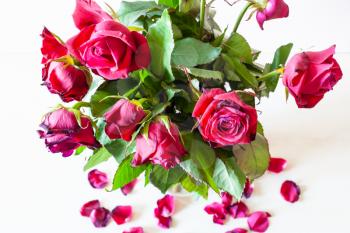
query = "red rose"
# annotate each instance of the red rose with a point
(309, 75)
(69, 82)
(122, 120)
(224, 118)
(162, 146)
(63, 134)
(88, 12)
(110, 49)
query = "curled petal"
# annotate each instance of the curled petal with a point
(290, 191)
(248, 189)
(122, 214)
(258, 221)
(166, 206)
(238, 210)
(218, 211)
(226, 199)
(135, 230)
(98, 179)
(277, 165)
(126, 189)
(163, 222)
(88, 207)
(238, 230)
(100, 217)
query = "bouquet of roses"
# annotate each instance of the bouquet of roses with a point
(158, 87)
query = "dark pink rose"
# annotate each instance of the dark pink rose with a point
(309, 75)
(51, 48)
(224, 118)
(122, 119)
(63, 134)
(274, 9)
(88, 12)
(110, 49)
(162, 146)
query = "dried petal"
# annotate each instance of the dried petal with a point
(163, 222)
(88, 207)
(166, 206)
(98, 179)
(226, 199)
(258, 221)
(238, 230)
(128, 187)
(277, 165)
(218, 211)
(290, 191)
(100, 217)
(238, 210)
(135, 230)
(122, 214)
(248, 189)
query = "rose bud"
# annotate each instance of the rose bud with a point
(88, 12)
(110, 49)
(273, 9)
(163, 146)
(97, 179)
(309, 75)
(122, 119)
(224, 119)
(63, 134)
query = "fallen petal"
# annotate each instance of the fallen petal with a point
(163, 222)
(166, 206)
(277, 165)
(238, 230)
(290, 191)
(258, 221)
(122, 214)
(98, 179)
(248, 189)
(100, 217)
(128, 187)
(226, 199)
(238, 210)
(88, 207)
(135, 230)
(218, 211)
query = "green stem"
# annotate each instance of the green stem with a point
(80, 105)
(240, 17)
(272, 74)
(132, 91)
(202, 16)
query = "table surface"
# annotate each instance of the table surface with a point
(42, 192)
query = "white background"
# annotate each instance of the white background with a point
(41, 192)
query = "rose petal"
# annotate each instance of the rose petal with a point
(163, 222)
(218, 211)
(98, 179)
(166, 206)
(122, 214)
(88, 207)
(277, 165)
(100, 217)
(238, 210)
(258, 221)
(290, 191)
(135, 230)
(226, 199)
(238, 230)
(248, 189)
(128, 187)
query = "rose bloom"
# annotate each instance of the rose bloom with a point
(162, 146)
(274, 9)
(224, 119)
(309, 75)
(110, 49)
(122, 119)
(63, 134)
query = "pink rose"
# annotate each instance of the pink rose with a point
(88, 12)
(274, 9)
(224, 118)
(63, 134)
(122, 120)
(110, 49)
(162, 146)
(309, 75)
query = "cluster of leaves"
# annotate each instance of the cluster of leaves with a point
(185, 60)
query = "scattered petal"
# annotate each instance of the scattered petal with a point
(166, 206)
(88, 207)
(135, 230)
(128, 187)
(277, 165)
(98, 179)
(122, 214)
(218, 211)
(226, 199)
(100, 217)
(290, 191)
(238, 210)
(248, 189)
(258, 221)
(238, 230)
(163, 222)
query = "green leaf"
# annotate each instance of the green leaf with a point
(202, 74)
(170, 3)
(147, 174)
(260, 129)
(237, 46)
(188, 5)
(100, 155)
(253, 158)
(280, 58)
(218, 41)
(190, 52)
(242, 71)
(129, 12)
(161, 43)
(163, 179)
(106, 89)
(229, 177)
(120, 149)
(191, 185)
(126, 173)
